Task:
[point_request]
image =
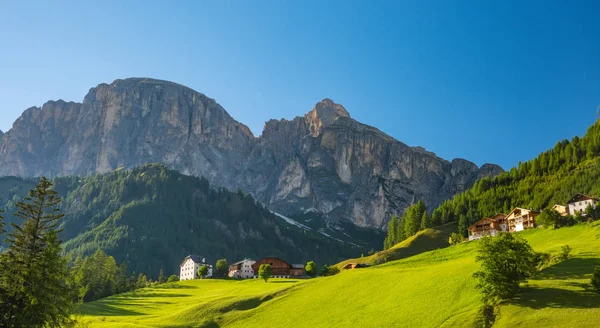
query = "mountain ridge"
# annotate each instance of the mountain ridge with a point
(324, 160)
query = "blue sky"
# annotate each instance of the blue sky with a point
(489, 81)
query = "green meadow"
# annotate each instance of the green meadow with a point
(431, 289)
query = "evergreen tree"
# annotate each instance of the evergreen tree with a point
(142, 281)
(34, 280)
(161, 276)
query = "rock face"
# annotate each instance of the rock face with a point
(324, 161)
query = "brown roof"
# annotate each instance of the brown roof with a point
(580, 197)
(478, 222)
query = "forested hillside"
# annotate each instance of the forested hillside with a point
(551, 178)
(151, 217)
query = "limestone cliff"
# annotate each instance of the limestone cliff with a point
(324, 161)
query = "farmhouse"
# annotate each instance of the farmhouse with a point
(520, 219)
(488, 227)
(579, 203)
(242, 269)
(560, 209)
(188, 268)
(351, 266)
(279, 268)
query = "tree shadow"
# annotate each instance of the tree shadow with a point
(284, 282)
(108, 309)
(574, 268)
(577, 295)
(538, 298)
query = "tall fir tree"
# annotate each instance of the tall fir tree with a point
(34, 281)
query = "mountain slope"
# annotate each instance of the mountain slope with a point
(433, 289)
(553, 177)
(151, 218)
(324, 161)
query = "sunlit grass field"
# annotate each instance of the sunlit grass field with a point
(432, 289)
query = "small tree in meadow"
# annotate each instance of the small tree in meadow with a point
(565, 251)
(506, 261)
(264, 272)
(311, 269)
(172, 278)
(202, 271)
(222, 267)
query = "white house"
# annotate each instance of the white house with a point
(242, 269)
(188, 268)
(579, 203)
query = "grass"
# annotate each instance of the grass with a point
(423, 241)
(431, 289)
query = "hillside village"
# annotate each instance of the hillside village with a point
(244, 269)
(520, 219)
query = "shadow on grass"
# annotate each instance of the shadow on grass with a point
(579, 294)
(538, 298)
(574, 268)
(107, 309)
(175, 286)
(283, 282)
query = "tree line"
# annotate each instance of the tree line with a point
(553, 177)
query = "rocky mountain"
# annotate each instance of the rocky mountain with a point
(324, 162)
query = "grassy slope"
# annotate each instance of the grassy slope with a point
(432, 289)
(423, 241)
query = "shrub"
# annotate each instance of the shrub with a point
(456, 238)
(329, 271)
(564, 253)
(173, 278)
(596, 279)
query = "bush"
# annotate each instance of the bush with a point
(564, 253)
(311, 269)
(596, 279)
(173, 278)
(456, 238)
(329, 271)
(506, 261)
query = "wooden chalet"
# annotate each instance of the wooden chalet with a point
(488, 227)
(521, 218)
(279, 268)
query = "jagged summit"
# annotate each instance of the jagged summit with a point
(324, 161)
(323, 114)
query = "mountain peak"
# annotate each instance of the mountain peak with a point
(323, 114)
(327, 109)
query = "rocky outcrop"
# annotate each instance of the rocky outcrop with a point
(324, 161)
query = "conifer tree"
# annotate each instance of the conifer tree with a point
(34, 280)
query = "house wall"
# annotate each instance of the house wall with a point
(189, 270)
(243, 270)
(279, 268)
(580, 206)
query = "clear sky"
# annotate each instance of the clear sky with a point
(489, 81)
